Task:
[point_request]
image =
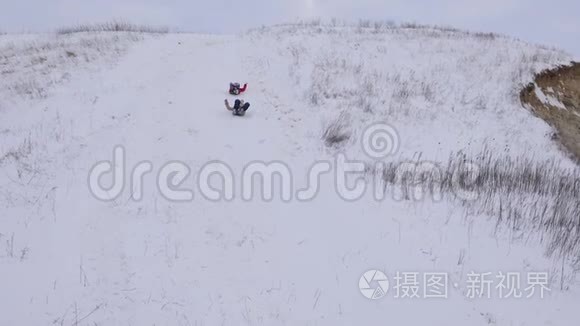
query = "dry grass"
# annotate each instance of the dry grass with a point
(364, 26)
(22, 151)
(31, 69)
(526, 199)
(563, 85)
(337, 132)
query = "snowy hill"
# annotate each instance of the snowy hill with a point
(446, 99)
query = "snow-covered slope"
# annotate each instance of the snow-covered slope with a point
(448, 84)
(68, 258)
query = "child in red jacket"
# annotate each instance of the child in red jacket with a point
(235, 88)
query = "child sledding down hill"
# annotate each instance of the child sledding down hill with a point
(235, 88)
(240, 107)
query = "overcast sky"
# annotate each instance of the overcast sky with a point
(541, 21)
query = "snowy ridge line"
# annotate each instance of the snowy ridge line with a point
(333, 26)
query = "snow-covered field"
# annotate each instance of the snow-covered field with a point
(68, 258)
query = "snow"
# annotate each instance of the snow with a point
(549, 99)
(68, 258)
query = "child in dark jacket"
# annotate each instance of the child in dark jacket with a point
(240, 107)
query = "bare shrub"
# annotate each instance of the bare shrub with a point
(29, 88)
(19, 153)
(296, 50)
(444, 28)
(314, 98)
(364, 23)
(427, 91)
(486, 36)
(320, 81)
(378, 26)
(335, 22)
(315, 22)
(337, 132)
(412, 25)
(114, 26)
(402, 92)
(366, 105)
